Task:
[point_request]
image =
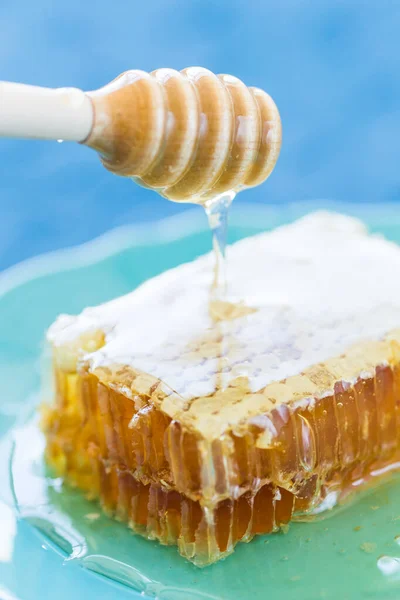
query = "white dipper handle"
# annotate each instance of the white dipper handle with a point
(28, 111)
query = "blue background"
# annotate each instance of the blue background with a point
(331, 65)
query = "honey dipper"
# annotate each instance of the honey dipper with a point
(190, 135)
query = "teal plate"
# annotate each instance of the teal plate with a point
(55, 544)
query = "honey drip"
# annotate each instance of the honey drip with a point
(217, 214)
(217, 211)
(221, 307)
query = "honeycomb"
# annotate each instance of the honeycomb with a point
(204, 433)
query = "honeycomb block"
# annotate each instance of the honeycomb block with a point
(227, 429)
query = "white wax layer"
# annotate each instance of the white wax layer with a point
(319, 285)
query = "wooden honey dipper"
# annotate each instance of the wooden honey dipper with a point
(190, 135)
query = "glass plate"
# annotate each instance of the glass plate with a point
(50, 547)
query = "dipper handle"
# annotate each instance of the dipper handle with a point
(28, 111)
